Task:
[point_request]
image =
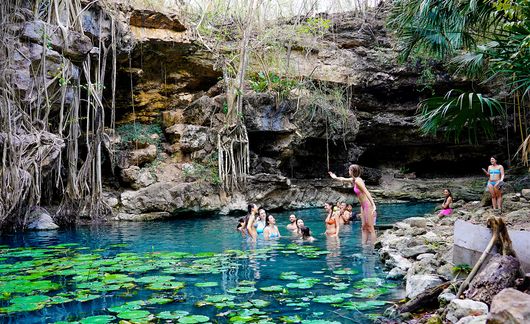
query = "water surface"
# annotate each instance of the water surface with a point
(115, 265)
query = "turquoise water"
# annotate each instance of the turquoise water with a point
(145, 272)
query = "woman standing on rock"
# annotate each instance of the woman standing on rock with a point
(332, 222)
(496, 177)
(368, 208)
(249, 221)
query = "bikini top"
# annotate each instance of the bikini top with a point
(260, 226)
(331, 221)
(495, 171)
(356, 189)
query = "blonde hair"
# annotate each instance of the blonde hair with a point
(355, 170)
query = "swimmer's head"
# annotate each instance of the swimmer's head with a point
(292, 218)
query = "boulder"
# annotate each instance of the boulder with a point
(397, 261)
(191, 138)
(510, 306)
(416, 284)
(459, 308)
(138, 177)
(416, 222)
(525, 193)
(473, 320)
(137, 157)
(200, 111)
(424, 256)
(40, 220)
(446, 297)
(411, 252)
(396, 274)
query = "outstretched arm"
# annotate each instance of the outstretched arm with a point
(486, 172)
(334, 177)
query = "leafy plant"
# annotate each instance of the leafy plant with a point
(136, 133)
(262, 82)
(206, 171)
(462, 268)
(315, 26)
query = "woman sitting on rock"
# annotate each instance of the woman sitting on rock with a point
(368, 208)
(271, 230)
(446, 206)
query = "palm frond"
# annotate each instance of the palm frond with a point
(457, 112)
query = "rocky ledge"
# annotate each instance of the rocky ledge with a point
(419, 251)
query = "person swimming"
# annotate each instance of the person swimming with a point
(271, 230)
(332, 225)
(306, 234)
(260, 221)
(292, 223)
(241, 227)
(249, 221)
(344, 215)
(299, 224)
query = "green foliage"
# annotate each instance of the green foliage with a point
(461, 268)
(315, 26)
(458, 111)
(207, 171)
(136, 133)
(263, 82)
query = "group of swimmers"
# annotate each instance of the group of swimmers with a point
(257, 221)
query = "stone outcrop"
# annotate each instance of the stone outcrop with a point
(460, 308)
(510, 306)
(40, 220)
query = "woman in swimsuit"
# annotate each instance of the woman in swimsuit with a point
(306, 234)
(299, 225)
(446, 206)
(496, 181)
(249, 221)
(344, 214)
(368, 208)
(260, 222)
(332, 224)
(271, 230)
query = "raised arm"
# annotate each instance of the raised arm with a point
(486, 172)
(334, 177)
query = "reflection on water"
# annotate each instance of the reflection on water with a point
(341, 268)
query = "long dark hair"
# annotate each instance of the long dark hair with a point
(306, 232)
(249, 211)
(267, 219)
(450, 195)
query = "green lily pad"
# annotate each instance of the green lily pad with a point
(328, 299)
(166, 285)
(30, 299)
(192, 319)
(135, 314)
(275, 288)
(241, 290)
(246, 283)
(259, 303)
(100, 319)
(319, 322)
(86, 297)
(172, 315)
(219, 298)
(362, 306)
(291, 275)
(300, 285)
(207, 284)
(291, 319)
(159, 301)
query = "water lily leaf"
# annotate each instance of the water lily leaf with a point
(362, 306)
(219, 298)
(340, 286)
(86, 297)
(299, 304)
(116, 278)
(371, 292)
(259, 303)
(167, 285)
(192, 319)
(291, 275)
(30, 299)
(172, 315)
(206, 284)
(291, 319)
(59, 300)
(99, 319)
(246, 283)
(123, 308)
(241, 290)
(134, 314)
(22, 307)
(319, 322)
(153, 279)
(300, 285)
(329, 299)
(275, 288)
(159, 301)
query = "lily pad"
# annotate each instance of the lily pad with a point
(319, 322)
(134, 314)
(346, 272)
(172, 315)
(100, 319)
(328, 299)
(275, 288)
(206, 284)
(192, 319)
(241, 290)
(362, 306)
(166, 285)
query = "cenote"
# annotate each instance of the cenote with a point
(194, 270)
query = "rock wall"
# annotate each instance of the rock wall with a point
(169, 103)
